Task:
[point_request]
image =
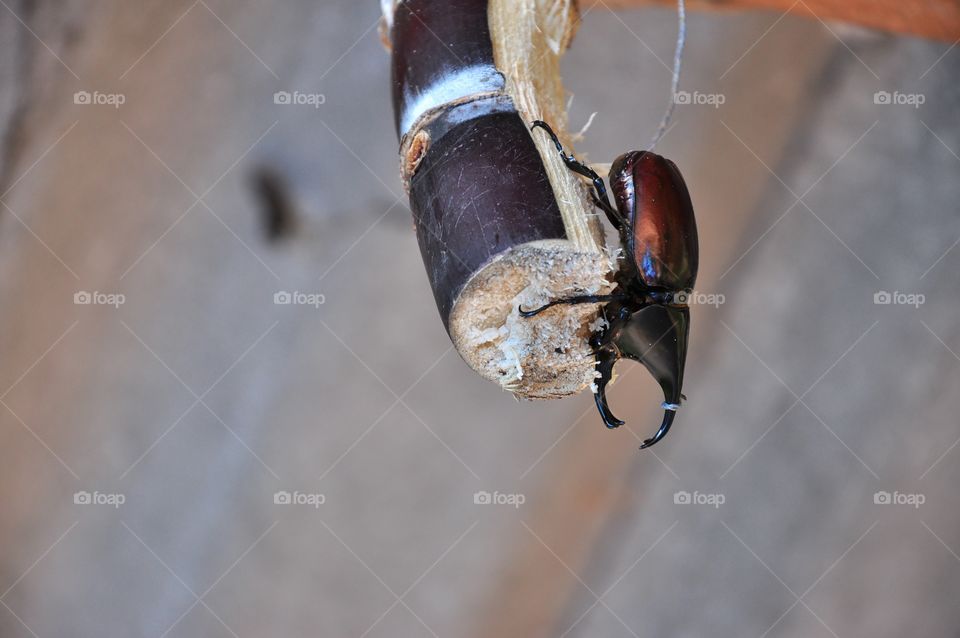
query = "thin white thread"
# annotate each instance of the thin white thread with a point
(675, 82)
(673, 407)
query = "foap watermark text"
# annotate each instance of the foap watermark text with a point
(97, 298)
(697, 298)
(899, 498)
(696, 98)
(899, 99)
(897, 298)
(699, 498)
(499, 498)
(297, 298)
(114, 500)
(309, 499)
(299, 98)
(96, 98)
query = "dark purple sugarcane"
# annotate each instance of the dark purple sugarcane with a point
(476, 181)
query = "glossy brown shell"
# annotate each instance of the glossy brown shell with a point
(660, 237)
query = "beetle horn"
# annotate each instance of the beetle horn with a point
(668, 416)
(657, 337)
(665, 360)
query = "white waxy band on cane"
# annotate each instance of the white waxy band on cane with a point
(472, 80)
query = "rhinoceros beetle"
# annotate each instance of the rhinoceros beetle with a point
(647, 318)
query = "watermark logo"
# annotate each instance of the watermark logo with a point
(96, 298)
(314, 500)
(699, 498)
(99, 498)
(297, 298)
(897, 298)
(899, 99)
(498, 498)
(899, 498)
(96, 98)
(299, 98)
(697, 98)
(696, 298)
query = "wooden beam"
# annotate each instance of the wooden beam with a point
(936, 19)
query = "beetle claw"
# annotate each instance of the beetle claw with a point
(570, 301)
(531, 313)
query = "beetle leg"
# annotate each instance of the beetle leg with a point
(571, 301)
(602, 199)
(611, 213)
(607, 356)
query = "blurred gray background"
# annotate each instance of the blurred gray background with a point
(198, 400)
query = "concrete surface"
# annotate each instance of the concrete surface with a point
(198, 399)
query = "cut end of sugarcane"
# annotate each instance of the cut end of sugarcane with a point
(472, 124)
(541, 357)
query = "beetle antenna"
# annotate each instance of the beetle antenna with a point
(675, 82)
